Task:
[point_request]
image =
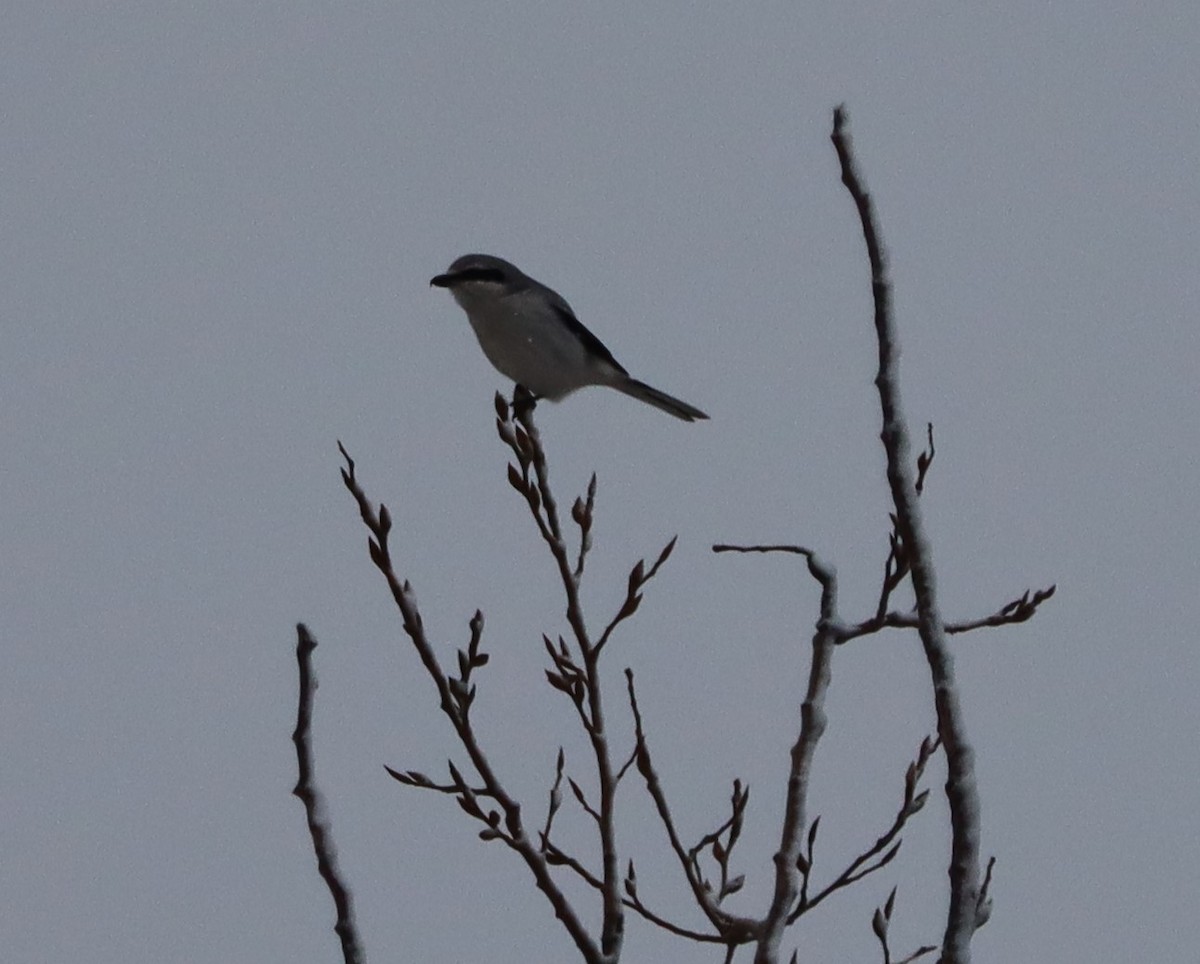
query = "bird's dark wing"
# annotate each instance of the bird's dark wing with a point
(593, 344)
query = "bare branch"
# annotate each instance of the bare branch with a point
(880, 922)
(455, 702)
(925, 460)
(633, 901)
(722, 850)
(314, 804)
(1017, 611)
(983, 909)
(626, 765)
(555, 796)
(650, 775)
(522, 436)
(884, 850)
(419, 781)
(577, 790)
(638, 578)
(792, 863)
(796, 550)
(961, 791)
(730, 927)
(895, 568)
(790, 855)
(380, 524)
(582, 513)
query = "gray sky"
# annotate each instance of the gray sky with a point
(219, 221)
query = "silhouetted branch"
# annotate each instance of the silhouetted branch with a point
(632, 900)
(582, 512)
(883, 851)
(722, 850)
(578, 679)
(925, 460)
(646, 768)
(983, 907)
(314, 804)
(456, 698)
(626, 765)
(555, 798)
(895, 569)
(531, 477)
(730, 928)
(638, 577)
(880, 922)
(794, 550)
(418, 780)
(961, 791)
(1017, 611)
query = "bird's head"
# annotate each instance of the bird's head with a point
(475, 277)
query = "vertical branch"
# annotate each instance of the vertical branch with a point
(961, 791)
(527, 445)
(612, 930)
(314, 804)
(812, 727)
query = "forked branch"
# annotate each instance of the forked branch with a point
(457, 695)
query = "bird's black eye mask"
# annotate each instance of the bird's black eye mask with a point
(494, 275)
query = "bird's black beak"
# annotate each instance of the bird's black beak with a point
(442, 281)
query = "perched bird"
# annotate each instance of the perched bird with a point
(530, 334)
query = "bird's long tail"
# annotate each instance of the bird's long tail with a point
(653, 396)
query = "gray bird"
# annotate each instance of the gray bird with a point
(530, 334)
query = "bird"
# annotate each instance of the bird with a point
(530, 334)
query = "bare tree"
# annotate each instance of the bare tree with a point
(574, 672)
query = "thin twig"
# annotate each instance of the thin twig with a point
(885, 848)
(881, 923)
(925, 460)
(314, 804)
(1017, 611)
(730, 927)
(895, 568)
(583, 513)
(419, 781)
(638, 578)
(626, 765)
(722, 850)
(983, 909)
(555, 796)
(795, 550)
(633, 901)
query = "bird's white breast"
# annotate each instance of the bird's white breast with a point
(531, 346)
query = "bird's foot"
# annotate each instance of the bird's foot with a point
(523, 401)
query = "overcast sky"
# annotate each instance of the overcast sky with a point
(218, 225)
